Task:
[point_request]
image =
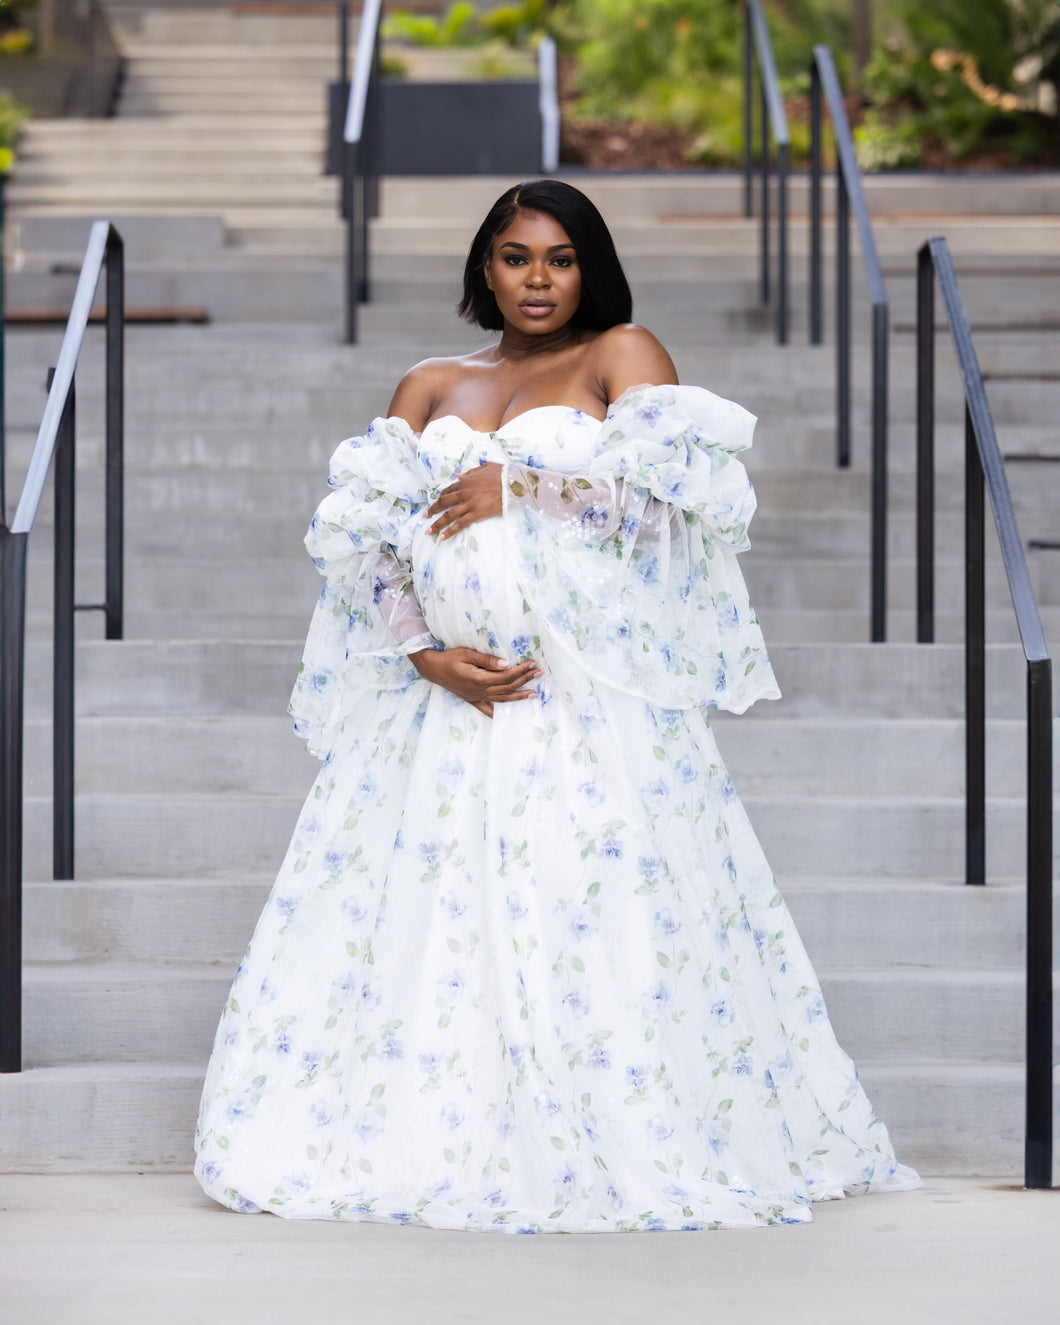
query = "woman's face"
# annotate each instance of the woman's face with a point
(533, 271)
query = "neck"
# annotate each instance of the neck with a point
(516, 344)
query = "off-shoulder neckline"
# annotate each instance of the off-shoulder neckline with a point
(534, 409)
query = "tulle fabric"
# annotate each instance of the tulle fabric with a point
(533, 973)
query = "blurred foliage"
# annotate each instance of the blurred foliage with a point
(15, 37)
(13, 116)
(19, 41)
(1000, 35)
(964, 78)
(954, 78)
(678, 62)
(456, 27)
(463, 25)
(517, 25)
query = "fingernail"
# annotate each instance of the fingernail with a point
(502, 662)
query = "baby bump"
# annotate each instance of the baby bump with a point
(467, 588)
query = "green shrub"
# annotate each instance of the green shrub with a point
(517, 25)
(13, 116)
(883, 145)
(678, 63)
(458, 26)
(463, 25)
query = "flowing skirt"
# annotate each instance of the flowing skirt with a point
(528, 974)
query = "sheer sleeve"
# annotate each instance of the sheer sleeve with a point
(367, 619)
(632, 564)
(600, 509)
(397, 604)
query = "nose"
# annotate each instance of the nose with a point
(537, 275)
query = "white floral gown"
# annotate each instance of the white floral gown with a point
(533, 973)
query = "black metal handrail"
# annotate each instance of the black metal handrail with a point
(55, 440)
(850, 194)
(983, 464)
(757, 47)
(361, 149)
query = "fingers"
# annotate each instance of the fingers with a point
(483, 706)
(452, 521)
(496, 681)
(488, 660)
(475, 495)
(447, 497)
(512, 678)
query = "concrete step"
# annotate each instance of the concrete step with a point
(279, 533)
(224, 292)
(99, 1116)
(962, 1118)
(861, 924)
(796, 627)
(172, 29)
(225, 678)
(959, 1118)
(646, 197)
(257, 756)
(148, 101)
(258, 587)
(128, 194)
(900, 837)
(134, 1012)
(110, 164)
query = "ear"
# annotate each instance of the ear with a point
(486, 272)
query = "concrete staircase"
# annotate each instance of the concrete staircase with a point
(188, 778)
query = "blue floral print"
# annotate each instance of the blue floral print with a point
(533, 973)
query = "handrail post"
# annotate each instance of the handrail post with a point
(925, 446)
(63, 647)
(842, 321)
(974, 658)
(12, 689)
(1038, 1144)
(114, 593)
(782, 243)
(90, 79)
(344, 43)
(349, 188)
(763, 250)
(879, 472)
(816, 333)
(748, 115)
(356, 166)
(374, 156)
(3, 361)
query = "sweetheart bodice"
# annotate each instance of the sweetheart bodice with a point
(544, 437)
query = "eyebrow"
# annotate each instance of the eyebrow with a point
(511, 243)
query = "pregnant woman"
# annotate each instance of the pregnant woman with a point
(525, 967)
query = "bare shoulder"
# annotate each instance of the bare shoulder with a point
(629, 355)
(416, 392)
(427, 383)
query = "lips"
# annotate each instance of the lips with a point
(537, 307)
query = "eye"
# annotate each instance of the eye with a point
(563, 261)
(513, 260)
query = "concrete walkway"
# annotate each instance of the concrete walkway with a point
(117, 1248)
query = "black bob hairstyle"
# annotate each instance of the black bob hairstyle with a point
(605, 300)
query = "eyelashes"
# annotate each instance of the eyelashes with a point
(517, 260)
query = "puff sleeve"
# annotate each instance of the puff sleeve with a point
(366, 620)
(632, 563)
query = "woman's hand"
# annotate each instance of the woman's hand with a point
(480, 678)
(476, 495)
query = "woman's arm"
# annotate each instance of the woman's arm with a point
(622, 357)
(416, 394)
(628, 356)
(479, 678)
